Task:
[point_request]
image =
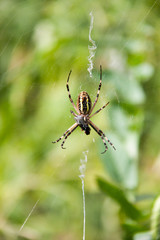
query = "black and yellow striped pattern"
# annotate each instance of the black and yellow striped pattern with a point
(84, 103)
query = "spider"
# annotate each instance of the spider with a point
(84, 109)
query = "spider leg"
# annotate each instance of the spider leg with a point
(73, 113)
(74, 126)
(68, 130)
(99, 88)
(99, 110)
(102, 135)
(69, 95)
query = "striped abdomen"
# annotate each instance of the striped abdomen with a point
(84, 103)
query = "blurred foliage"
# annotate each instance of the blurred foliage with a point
(40, 41)
(119, 196)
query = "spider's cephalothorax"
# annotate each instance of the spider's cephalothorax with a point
(84, 109)
(82, 121)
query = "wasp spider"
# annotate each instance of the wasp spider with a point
(83, 114)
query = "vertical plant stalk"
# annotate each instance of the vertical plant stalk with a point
(155, 220)
(82, 169)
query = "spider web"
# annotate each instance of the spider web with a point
(18, 61)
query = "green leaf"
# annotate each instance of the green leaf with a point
(121, 165)
(119, 196)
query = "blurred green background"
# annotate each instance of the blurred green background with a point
(40, 41)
